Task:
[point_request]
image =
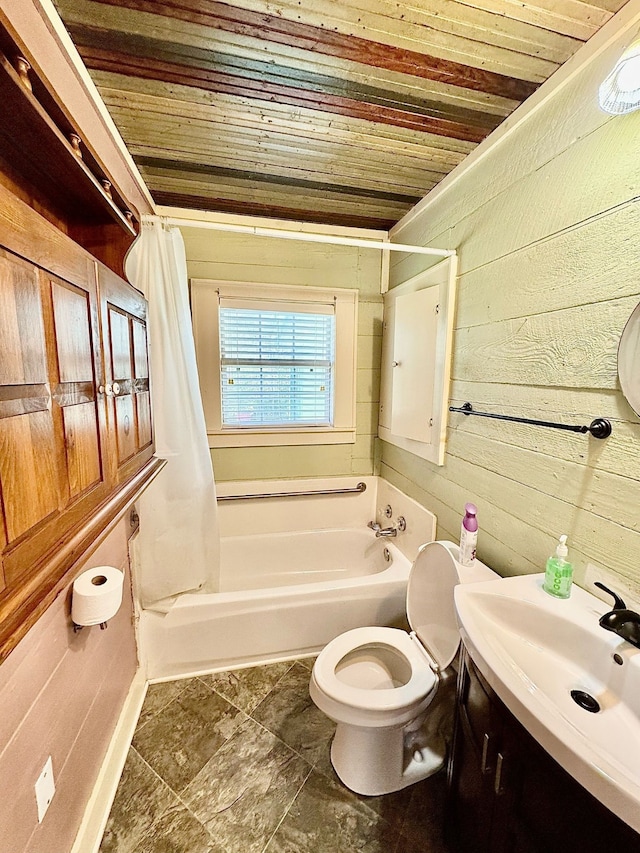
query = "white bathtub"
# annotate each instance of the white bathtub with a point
(286, 594)
(265, 561)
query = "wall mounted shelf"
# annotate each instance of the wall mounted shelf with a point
(39, 152)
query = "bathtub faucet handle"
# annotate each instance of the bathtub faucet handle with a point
(388, 532)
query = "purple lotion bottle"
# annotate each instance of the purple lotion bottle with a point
(469, 535)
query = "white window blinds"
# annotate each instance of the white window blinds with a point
(277, 364)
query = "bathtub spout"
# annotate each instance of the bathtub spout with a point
(388, 532)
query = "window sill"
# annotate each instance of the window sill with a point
(279, 438)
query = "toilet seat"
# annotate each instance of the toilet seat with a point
(421, 683)
(429, 649)
(376, 748)
(430, 603)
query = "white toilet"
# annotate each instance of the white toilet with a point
(379, 684)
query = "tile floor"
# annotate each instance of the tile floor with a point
(238, 762)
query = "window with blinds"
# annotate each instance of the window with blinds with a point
(277, 364)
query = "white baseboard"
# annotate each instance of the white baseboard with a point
(97, 812)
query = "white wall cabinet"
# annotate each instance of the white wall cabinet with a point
(416, 361)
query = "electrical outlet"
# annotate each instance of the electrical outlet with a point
(45, 789)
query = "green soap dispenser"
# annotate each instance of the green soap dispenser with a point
(558, 575)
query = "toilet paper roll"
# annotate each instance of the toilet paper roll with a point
(97, 595)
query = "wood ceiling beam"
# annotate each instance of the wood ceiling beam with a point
(95, 36)
(208, 170)
(245, 22)
(213, 81)
(222, 205)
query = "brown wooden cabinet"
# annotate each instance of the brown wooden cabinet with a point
(506, 793)
(75, 424)
(76, 442)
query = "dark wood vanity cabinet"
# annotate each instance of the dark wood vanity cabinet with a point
(506, 793)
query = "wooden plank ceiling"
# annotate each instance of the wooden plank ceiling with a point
(345, 112)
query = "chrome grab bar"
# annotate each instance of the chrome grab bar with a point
(361, 487)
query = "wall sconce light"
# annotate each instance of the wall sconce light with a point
(620, 91)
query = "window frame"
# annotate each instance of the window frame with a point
(205, 302)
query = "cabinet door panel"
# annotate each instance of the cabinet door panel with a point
(82, 447)
(24, 359)
(414, 359)
(142, 396)
(120, 341)
(141, 363)
(478, 707)
(76, 348)
(30, 479)
(143, 416)
(124, 320)
(72, 316)
(471, 796)
(28, 471)
(125, 427)
(122, 379)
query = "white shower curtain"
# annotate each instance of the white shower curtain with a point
(178, 544)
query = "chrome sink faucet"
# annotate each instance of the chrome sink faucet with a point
(388, 532)
(623, 622)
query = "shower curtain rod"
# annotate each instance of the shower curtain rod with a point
(310, 237)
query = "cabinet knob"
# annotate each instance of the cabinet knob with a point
(108, 389)
(395, 364)
(116, 389)
(101, 389)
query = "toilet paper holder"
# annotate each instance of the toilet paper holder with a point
(77, 628)
(96, 597)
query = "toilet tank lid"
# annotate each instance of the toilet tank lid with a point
(430, 607)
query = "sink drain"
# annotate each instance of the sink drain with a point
(586, 701)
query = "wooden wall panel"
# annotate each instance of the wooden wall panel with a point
(293, 91)
(235, 257)
(61, 694)
(546, 227)
(571, 117)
